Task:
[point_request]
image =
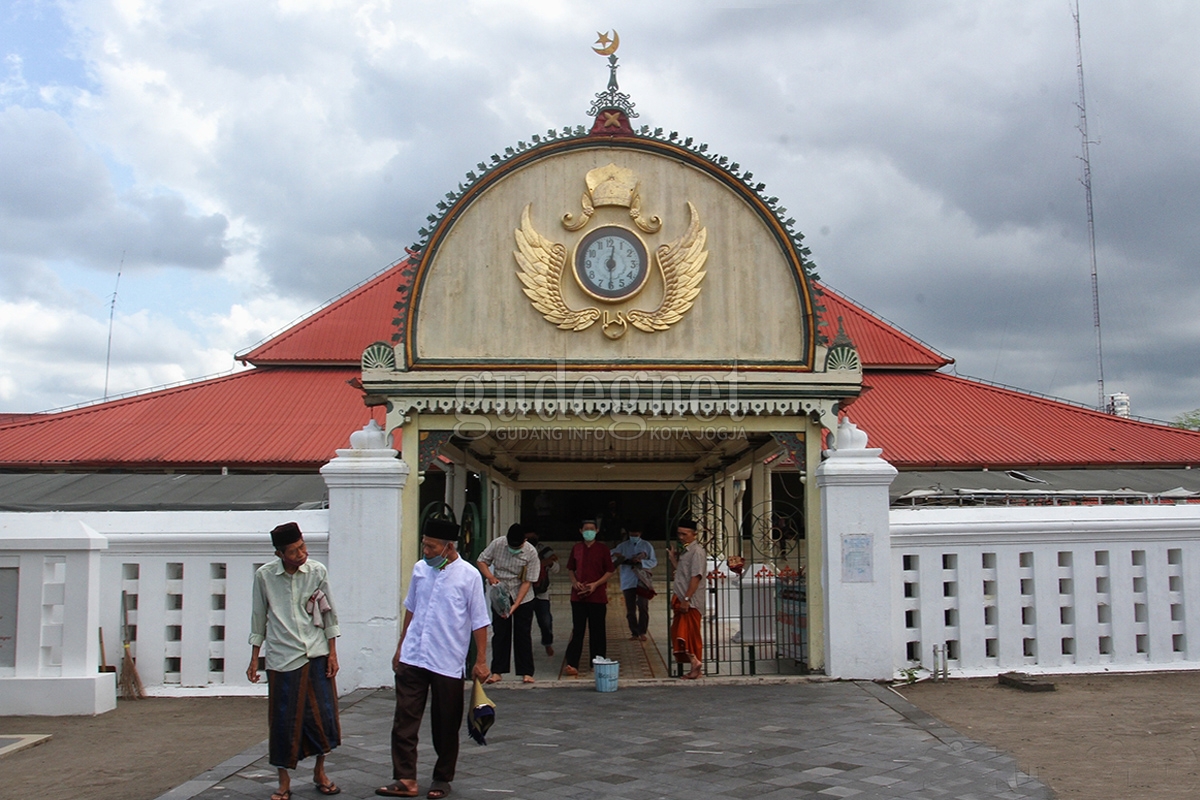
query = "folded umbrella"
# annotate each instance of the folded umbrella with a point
(482, 714)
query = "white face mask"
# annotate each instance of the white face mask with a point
(635, 536)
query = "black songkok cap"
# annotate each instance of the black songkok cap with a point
(285, 534)
(686, 522)
(442, 529)
(515, 535)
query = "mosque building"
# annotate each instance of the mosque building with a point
(609, 320)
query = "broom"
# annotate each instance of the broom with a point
(130, 684)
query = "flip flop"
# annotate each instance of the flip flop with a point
(494, 678)
(438, 790)
(327, 789)
(284, 795)
(397, 790)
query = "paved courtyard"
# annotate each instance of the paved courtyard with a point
(740, 740)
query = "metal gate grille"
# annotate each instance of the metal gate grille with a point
(756, 616)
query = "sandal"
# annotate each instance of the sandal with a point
(328, 788)
(398, 789)
(438, 790)
(286, 794)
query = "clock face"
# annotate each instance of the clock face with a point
(611, 263)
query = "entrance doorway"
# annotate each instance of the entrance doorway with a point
(556, 513)
(755, 618)
(746, 490)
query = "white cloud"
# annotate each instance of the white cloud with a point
(926, 149)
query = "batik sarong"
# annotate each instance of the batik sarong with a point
(302, 713)
(685, 632)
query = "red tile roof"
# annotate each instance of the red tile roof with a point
(934, 420)
(264, 419)
(294, 409)
(880, 343)
(338, 332)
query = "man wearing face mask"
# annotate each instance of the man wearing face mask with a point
(292, 615)
(590, 567)
(444, 609)
(513, 564)
(636, 557)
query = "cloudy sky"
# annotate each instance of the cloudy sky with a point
(241, 163)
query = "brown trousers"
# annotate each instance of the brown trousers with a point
(413, 685)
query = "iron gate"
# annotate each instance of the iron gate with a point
(756, 615)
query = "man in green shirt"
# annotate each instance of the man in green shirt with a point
(293, 616)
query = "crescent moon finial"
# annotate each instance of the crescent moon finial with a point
(606, 45)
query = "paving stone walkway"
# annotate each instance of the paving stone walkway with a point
(792, 739)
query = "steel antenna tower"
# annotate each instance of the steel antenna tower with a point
(1091, 220)
(112, 308)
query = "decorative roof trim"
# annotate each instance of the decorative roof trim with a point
(651, 408)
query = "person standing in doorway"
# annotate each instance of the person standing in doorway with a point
(590, 567)
(444, 610)
(292, 614)
(636, 557)
(512, 563)
(548, 562)
(687, 601)
(609, 525)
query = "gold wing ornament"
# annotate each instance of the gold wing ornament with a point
(541, 266)
(682, 263)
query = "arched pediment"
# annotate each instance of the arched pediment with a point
(602, 252)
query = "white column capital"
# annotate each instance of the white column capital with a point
(851, 463)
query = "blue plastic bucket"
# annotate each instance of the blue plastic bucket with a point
(606, 676)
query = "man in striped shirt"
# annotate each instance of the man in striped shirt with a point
(512, 564)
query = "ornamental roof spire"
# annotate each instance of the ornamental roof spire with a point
(612, 108)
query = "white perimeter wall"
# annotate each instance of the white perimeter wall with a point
(187, 576)
(1047, 589)
(1040, 589)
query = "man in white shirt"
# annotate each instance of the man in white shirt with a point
(444, 609)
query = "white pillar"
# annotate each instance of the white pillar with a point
(57, 658)
(856, 570)
(365, 484)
